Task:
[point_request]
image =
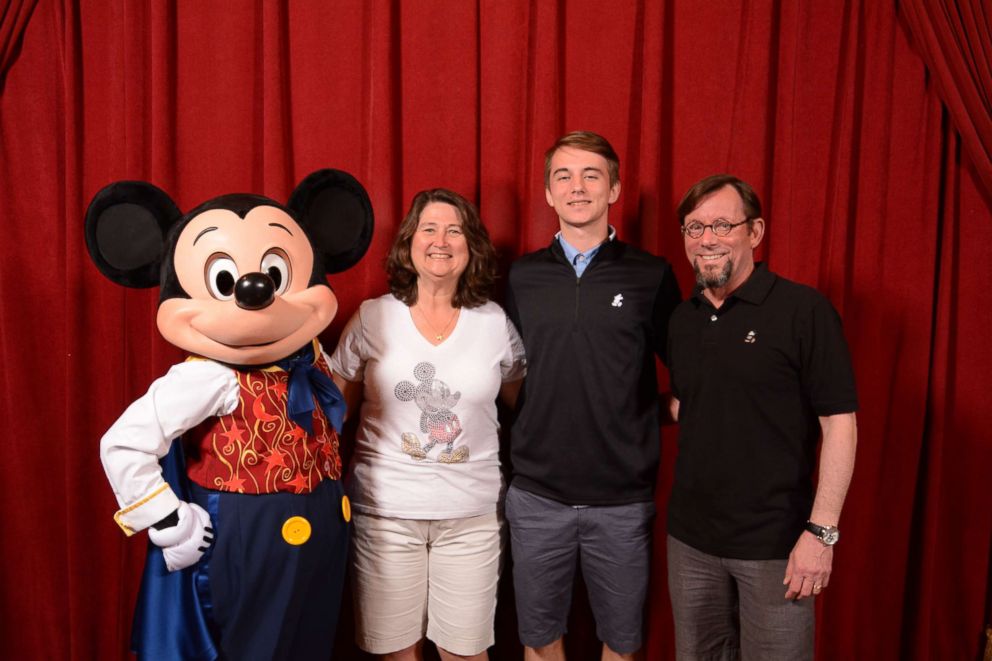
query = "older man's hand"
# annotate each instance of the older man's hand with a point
(808, 571)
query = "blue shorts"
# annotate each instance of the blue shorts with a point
(612, 544)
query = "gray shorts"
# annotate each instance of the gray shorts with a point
(613, 546)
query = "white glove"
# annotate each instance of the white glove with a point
(184, 543)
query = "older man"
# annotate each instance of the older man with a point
(760, 371)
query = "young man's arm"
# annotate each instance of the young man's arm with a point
(666, 299)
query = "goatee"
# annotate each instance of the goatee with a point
(709, 280)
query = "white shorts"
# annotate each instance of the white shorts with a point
(414, 577)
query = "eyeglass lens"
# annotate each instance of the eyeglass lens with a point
(720, 228)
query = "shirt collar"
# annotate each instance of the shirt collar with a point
(571, 252)
(754, 290)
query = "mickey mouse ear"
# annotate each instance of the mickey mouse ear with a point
(126, 225)
(337, 213)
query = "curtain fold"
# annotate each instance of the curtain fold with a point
(14, 17)
(871, 190)
(954, 38)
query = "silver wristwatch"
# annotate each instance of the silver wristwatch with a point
(828, 535)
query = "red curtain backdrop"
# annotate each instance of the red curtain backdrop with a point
(825, 107)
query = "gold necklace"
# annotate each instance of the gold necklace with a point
(438, 336)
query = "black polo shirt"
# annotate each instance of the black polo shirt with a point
(751, 378)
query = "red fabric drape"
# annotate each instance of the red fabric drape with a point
(14, 18)
(954, 38)
(824, 106)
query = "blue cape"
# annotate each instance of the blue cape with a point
(169, 622)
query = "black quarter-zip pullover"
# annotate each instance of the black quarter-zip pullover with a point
(586, 432)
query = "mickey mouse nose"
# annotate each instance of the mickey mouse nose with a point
(254, 291)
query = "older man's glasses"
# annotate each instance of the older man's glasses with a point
(720, 227)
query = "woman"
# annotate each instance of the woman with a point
(429, 359)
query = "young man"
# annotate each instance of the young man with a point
(760, 370)
(593, 313)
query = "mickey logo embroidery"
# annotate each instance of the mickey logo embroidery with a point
(751, 337)
(617, 301)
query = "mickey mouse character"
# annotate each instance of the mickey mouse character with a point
(249, 536)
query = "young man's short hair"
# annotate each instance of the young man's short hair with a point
(586, 141)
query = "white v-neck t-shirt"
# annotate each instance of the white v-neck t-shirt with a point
(427, 445)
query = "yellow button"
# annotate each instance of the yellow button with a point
(296, 530)
(346, 508)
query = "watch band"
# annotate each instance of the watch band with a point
(828, 535)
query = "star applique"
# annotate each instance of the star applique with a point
(234, 484)
(276, 459)
(234, 434)
(297, 433)
(301, 483)
(280, 388)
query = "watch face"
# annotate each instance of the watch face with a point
(830, 536)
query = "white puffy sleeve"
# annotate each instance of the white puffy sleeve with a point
(188, 394)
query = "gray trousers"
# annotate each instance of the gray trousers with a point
(728, 609)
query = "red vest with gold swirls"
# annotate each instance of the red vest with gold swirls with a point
(257, 449)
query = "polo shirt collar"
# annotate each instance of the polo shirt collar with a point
(754, 290)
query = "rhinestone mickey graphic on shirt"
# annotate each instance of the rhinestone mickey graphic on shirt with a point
(437, 420)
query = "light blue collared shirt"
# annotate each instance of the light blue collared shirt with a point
(580, 260)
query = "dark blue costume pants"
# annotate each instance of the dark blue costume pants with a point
(264, 597)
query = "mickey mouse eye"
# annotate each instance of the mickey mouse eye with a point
(275, 266)
(222, 273)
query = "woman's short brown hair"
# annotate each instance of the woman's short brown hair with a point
(475, 284)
